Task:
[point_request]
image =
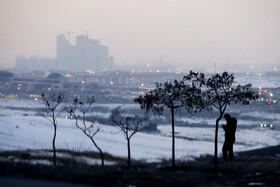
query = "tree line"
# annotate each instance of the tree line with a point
(194, 93)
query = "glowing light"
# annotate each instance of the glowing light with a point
(112, 82)
(49, 89)
(83, 82)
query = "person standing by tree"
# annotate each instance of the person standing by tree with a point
(230, 129)
(219, 93)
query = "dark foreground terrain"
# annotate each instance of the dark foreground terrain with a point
(253, 168)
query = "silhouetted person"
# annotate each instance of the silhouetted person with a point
(230, 129)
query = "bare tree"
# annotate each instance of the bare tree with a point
(219, 94)
(51, 112)
(129, 125)
(171, 95)
(90, 129)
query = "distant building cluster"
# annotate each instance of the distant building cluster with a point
(107, 85)
(28, 64)
(87, 54)
(79, 82)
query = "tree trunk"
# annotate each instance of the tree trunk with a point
(100, 151)
(128, 153)
(53, 142)
(216, 142)
(101, 156)
(173, 138)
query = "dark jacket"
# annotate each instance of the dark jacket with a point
(230, 129)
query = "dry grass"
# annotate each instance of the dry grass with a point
(262, 170)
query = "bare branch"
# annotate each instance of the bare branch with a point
(89, 130)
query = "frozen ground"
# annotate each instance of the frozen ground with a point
(25, 129)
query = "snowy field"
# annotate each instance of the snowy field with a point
(26, 129)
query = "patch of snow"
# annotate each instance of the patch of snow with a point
(42, 162)
(92, 161)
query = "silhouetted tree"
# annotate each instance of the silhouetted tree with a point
(87, 127)
(51, 112)
(219, 93)
(171, 95)
(129, 125)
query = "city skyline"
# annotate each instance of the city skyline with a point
(86, 54)
(182, 33)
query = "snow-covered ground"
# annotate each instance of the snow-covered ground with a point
(26, 129)
(35, 132)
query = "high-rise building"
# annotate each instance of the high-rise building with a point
(87, 54)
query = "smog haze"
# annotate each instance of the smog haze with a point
(183, 32)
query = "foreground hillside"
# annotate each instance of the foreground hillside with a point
(254, 168)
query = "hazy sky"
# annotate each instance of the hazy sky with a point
(183, 31)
